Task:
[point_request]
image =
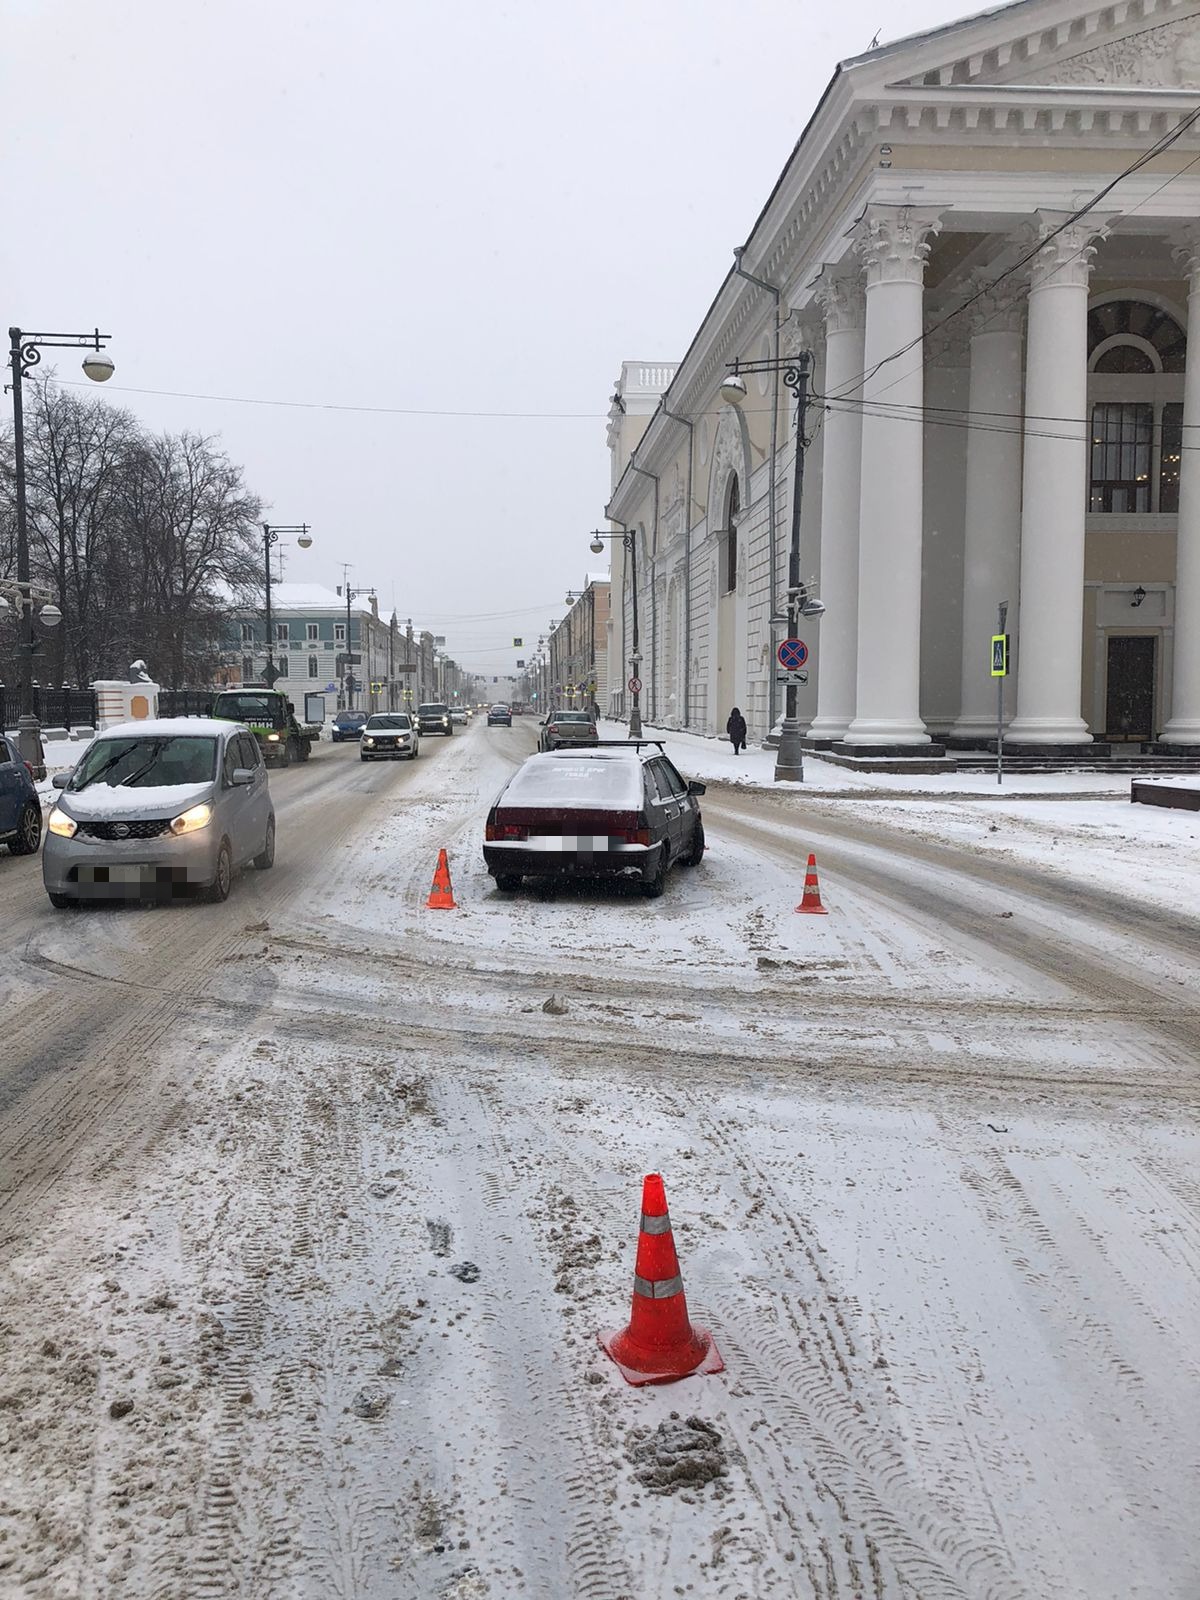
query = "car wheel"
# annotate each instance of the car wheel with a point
(219, 889)
(507, 882)
(29, 832)
(305, 750)
(652, 887)
(284, 758)
(696, 854)
(61, 902)
(265, 860)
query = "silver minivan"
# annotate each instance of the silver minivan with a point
(155, 808)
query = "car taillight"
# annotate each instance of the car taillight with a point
(505, 830)
(637, 836)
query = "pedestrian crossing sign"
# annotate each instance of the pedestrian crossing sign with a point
(1000, 655)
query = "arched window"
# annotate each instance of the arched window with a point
(733, 506)
(1136, 356)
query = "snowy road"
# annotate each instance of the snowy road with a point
(309, 1213)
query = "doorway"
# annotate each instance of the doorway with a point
(1129, 704)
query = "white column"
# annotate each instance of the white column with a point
(992, 527)
(894, 245)
(1054, 498)
(1184, 726)
(841, 473)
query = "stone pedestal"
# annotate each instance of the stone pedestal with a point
(117, 701)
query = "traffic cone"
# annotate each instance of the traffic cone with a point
(810, 900)
(441, 895)
(660, 1344)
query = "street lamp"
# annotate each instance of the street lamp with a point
(635, 655)
(789, 758)
(270, 537)
(25, 351)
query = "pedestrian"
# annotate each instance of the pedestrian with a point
(736, 729)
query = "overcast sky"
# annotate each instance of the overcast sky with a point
(450, 208)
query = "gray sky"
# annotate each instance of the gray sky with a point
(475, 207)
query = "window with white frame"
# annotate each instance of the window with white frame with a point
(247, 668)
(1136, 358)
(339, 632)
(281, 633)
(313, 630)
(247, 633)
(314, 666)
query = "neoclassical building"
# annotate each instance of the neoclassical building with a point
(987, 239)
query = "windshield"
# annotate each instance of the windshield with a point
(260, 708)
(147, 763)
(344, 718)
(396, 721)
(431, 711)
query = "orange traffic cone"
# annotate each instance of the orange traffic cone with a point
(811, 898)
(441, 895)
(660, 1344)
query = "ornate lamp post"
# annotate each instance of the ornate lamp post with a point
(789, 758)
(270, 537)
(635, 655)
(25, 351)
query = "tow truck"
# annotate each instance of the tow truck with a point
(271, 718)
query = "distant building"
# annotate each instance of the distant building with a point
(315, 635)
(578, 650)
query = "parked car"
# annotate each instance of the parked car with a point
(613, 809)
(391, 734)
(499, 717)
(348, 725)
(567, 727)
(435, 717)
(20, 808)
(154, 808)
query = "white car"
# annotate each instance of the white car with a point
(390, 734)
(459, 717)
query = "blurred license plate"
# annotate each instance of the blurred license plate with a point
(122, 874)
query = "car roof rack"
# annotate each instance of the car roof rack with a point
(624, 744)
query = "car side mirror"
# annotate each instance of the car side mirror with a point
(697, 788)
(242, 776)
(60, 780)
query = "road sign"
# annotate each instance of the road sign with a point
(791, 677)
(1000, 655)
(520, 663)
(331, 688)
(792, 653)
(517, 646)
(635, 686)
(405, 666)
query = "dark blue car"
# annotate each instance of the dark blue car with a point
(348, 725)
(20, 808)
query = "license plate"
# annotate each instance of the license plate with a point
(124, 873)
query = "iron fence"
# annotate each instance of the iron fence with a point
(185, 702)
(54, 708)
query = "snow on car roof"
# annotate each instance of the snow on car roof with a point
(609, 778)
(167, 727)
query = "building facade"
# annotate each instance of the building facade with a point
(577, 649)
(315, 634)
(986, 245)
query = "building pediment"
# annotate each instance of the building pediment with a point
(1135, 44)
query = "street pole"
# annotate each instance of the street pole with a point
(635, 706)
(270, 537)
(27, 722)
(25, 352)
(789, 758)
(1002, 616)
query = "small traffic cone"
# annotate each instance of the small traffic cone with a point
(660, 1344)
(810, 900)
(441, 895)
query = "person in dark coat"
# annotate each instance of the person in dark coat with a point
(736, 729)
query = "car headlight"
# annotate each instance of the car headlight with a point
(193, 819)
(273, 738)
(368, 741)
(60, 823)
